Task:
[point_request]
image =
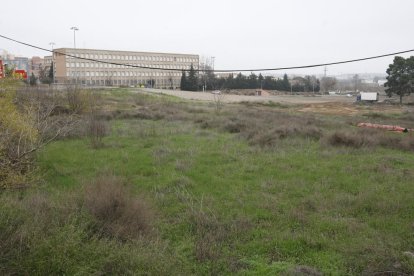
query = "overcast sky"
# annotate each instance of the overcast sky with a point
(240, 34)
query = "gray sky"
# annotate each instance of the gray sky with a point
(240, 34)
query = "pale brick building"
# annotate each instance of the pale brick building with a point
(86, 72)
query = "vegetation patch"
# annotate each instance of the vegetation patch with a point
(257, 190)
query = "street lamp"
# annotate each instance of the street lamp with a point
(74, 29)
(53, 62)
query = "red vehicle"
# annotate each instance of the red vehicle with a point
(21, 73)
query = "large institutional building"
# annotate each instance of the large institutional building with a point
(71, 66)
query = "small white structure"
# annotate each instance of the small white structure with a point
(381, 82)
(369, 96)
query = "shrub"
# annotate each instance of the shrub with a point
(45, 234)
(76, 99)
(349, 139)
(371, 138)
(97, 129)
(117, 212)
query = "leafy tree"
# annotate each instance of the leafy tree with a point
(8, 70)
(192, 79)
(252, 81)
(32, 80)
(285, 85)
(151, 83)
(269, 83)
(46, 75)
(260, 80)
(51, 73)
(400, 79)
(318, 86)
(183, 83)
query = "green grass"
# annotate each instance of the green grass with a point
(337, 210)
(224, 206)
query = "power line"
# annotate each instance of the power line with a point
(213, 70)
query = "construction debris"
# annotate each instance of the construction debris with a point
(386, 127)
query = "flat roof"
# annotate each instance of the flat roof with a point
(122, 51)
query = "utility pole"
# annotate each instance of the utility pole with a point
(205, 75)
(212, 66)
(325, 90)
(356, 77)
(53, 62)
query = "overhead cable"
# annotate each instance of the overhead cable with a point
(210, 70)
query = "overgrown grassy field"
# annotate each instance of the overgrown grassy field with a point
(178, 188)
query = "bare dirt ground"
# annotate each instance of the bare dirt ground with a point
(342, 108)
(230, 98)
(322, 104)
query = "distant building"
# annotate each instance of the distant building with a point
(381, 82)
(225, 75)
(47, 62)
(36, 66)
(89, 72)
(365, 81)
(18, 63)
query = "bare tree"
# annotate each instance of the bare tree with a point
(218, 99)
(328, 83)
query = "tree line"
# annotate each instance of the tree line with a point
(193, 81)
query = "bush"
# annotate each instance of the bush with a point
(18, 136)
(265, 128)
(97, 129)
(30, 118)
(350, 139)
(80, 233)
(369, 138)
(117, 212)
(76, 99)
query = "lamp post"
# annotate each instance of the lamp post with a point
(74, 29)
(53, 62)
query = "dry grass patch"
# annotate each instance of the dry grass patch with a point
(117, 211)
(265, 128)
(369, 138)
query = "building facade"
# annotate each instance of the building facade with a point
(76, 69)
(18, 63)
(36, 66)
